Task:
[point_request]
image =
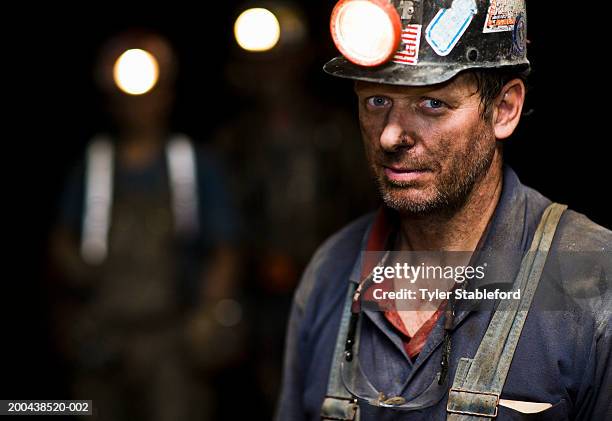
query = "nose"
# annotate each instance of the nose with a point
(395, 136)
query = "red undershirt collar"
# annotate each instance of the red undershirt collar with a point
(382, 233)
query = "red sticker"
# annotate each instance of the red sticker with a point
(409, 50)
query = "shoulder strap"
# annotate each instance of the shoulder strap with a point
(479, 381)
(98, 200)
(338, 404)
(182, 170)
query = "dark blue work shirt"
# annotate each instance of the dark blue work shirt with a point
(563, 357)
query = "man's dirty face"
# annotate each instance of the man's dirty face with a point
(426, 146)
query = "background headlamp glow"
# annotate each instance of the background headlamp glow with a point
(367, 32)
(257, 30)
(136, 72)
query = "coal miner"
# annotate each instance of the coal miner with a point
(440, 87)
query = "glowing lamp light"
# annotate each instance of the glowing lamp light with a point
(136, 72)
(367, 32)
(257, 30)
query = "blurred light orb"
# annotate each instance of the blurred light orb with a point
(136, 71)
(257, 29)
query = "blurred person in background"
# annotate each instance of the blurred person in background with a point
(291, 186)
(144, 249)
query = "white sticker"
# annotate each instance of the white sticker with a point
(447, 27)
(502, 15)
(407, 8)
(411, 40)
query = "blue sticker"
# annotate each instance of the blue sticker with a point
(519, 36)
(447, 27)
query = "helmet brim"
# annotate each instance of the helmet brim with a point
(423, 74)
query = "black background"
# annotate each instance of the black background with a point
(561, 149)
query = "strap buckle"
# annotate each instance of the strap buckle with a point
(472, 402)
(336, 408)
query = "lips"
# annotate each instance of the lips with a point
(403, 174)
(400, 169)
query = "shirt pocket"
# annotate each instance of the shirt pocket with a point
(557, 412)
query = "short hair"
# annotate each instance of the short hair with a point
(489, 83)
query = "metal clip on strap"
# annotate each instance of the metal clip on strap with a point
(472, 402)
(339, 409)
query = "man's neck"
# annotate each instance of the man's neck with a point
(461, 230)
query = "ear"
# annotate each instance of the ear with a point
(508, 108)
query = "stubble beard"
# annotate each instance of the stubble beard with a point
(451, 188)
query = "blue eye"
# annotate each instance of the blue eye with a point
(378, 101)
(433, 103)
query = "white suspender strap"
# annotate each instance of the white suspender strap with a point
(183, 183)
(98, 200)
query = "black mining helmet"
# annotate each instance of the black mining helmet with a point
(424, 42)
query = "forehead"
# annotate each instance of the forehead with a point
(462, 85)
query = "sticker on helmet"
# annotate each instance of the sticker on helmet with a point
(409, 50)
(407, 9)
(447, 27)
(519, 36)
(502, 15)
